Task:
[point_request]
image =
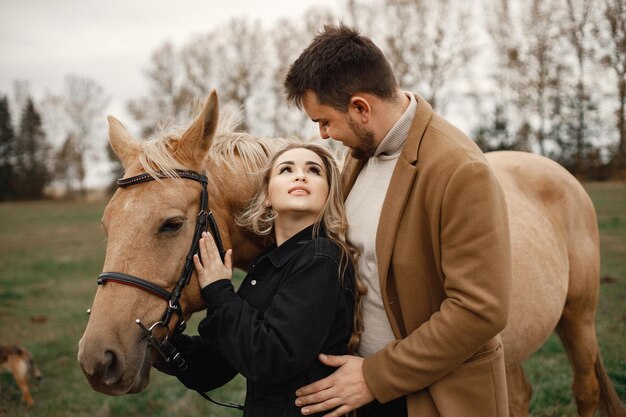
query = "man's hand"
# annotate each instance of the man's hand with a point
(345, 389)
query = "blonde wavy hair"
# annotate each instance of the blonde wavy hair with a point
(331, 219)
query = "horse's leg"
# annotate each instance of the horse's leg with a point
(579, 339)
(519, 390)
(592, 387)
(576, 327)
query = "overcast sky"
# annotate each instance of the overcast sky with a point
(111, 41)
(41, 41)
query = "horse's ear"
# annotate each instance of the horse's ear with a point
(124, 146)
(198, 137)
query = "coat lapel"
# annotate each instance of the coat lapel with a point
(400, 186)
(351, 170)
(402, 180)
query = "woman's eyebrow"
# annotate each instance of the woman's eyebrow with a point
(293, 163)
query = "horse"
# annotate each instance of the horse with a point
(155, 215)
(556, 278)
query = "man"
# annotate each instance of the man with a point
(430, 220)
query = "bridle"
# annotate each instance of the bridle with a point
(205, 220)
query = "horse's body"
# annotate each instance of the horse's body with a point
(556, 275)
(553, 231)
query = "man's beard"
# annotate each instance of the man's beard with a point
(366, 144)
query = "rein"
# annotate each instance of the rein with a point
(205, 220)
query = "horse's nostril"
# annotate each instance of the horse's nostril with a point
(111, 367)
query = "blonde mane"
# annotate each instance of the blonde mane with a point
(229, 146)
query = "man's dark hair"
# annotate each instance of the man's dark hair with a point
(337, 64)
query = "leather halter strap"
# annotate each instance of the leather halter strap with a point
(134, 282)
(205, 219)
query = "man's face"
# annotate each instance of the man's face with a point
(341, 126)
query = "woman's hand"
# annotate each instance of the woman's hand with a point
(212, 268)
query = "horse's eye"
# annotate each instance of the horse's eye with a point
(171, 225)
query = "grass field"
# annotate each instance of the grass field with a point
(52, 252)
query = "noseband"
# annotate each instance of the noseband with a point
(205, 219)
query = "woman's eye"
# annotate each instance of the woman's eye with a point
(284, 169)
(171, 225)
(315, 170)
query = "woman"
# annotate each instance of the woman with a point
(299, 299)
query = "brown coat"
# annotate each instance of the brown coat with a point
(445, 271)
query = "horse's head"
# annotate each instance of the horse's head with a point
(150, 228)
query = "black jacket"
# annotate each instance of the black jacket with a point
(290, 307)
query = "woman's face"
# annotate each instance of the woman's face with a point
(298, 185)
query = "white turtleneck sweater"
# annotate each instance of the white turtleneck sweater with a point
(363, 208)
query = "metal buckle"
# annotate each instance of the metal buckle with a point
(152, 341)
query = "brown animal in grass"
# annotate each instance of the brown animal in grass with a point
(19, 362)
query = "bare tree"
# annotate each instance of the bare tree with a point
(577, 28)
(363, 15)
(315, 18)
(495, 127)
(538, 68)
(288, 40)
(231, 59)
(429, 44)
(169, 97)
(543, 88)
(68, 165)
(77, 112)
(199, 57)
(612, 35)
(242, 64)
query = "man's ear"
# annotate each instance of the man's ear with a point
(361, 107)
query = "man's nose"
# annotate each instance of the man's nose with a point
(323, 133)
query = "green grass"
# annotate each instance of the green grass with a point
(52, 252)
(50, 256)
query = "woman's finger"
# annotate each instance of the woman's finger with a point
(228, 260)
(203, 252)
(197, 263)
(214, 255)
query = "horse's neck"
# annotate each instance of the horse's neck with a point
(231, 192)
(246, 247)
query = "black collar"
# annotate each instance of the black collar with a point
(280, 255)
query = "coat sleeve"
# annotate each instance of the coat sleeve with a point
(284, 340)
(476, 266)
(207, 368)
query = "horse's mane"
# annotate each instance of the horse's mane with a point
(253, 151)
(227, 145)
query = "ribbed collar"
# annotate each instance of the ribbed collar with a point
(395, 138)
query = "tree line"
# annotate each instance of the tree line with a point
(23, 154)
(547, 76)
(50, 142)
